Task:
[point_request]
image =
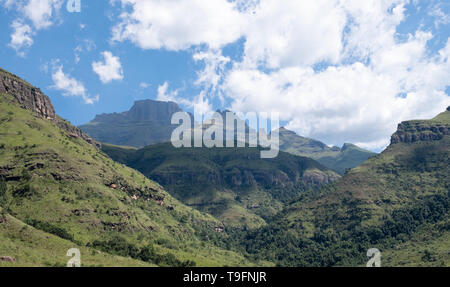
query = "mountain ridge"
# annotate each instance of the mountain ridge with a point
(338, 159)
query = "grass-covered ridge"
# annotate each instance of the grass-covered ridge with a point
(397, 201)
(338, 159)
(233, 184)
(64, 185)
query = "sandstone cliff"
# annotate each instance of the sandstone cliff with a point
(31, 98)
(414, 131)
(26, 95)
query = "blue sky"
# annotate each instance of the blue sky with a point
(338, 71)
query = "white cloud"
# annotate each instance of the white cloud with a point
(179, 24)
(335, 70)
(144, 85)
(199, 103)
(441, 18)
(70, 86)
(210, 77)
(110, 69)
(86, 45)
(39, 13)
(287, 33)
(165, 95)
(350, 103)
(21, 37)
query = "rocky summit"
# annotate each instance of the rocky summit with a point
(147, 122)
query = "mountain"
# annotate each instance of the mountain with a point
(335, 158)
(147, 122)
(58, 190)
(233, 184)
(397, 201)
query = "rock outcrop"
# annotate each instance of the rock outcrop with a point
(26, 95)
(147, 122)
(414, 131)
(31, 98)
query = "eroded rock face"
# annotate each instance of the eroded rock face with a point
(414, 131)
(27, 96)
(33, 99)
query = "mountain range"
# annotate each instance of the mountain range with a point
(232, 184)
(161, 206)
(335, 158)
(149, 122)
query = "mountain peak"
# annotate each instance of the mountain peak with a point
(151, 110)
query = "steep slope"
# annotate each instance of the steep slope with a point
(147, 122)
(335, 158)
(54, 179)
(397, 201)
(233, 184)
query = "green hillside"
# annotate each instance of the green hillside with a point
(233, 184)
(397, 201)
(335, 158)
(54, 181)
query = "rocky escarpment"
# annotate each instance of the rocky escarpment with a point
(414, 131)
(32, 98)
(147, 122)
(26, 95)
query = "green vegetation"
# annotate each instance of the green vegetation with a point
(233, 184)
(60, 184)
(338, 159)
(396, 201)
(59, 191)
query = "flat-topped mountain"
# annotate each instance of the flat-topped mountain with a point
(147, 122)
(335, 158)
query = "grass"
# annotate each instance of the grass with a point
(234, 185)
(65, 182)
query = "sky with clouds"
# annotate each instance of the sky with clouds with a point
(336, 70)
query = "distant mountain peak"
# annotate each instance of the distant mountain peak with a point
(151, 110)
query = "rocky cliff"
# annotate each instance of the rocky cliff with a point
(147, 122)
(414, 131)
(31, 98)
(26, 95)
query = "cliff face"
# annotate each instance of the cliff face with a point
(31, 98)
(26, 95)
(149, 110)
(147, 122)
(414, 131)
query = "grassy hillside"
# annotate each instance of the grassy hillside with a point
(54, 181)
(335, 158)
(233, 184)
(397, 201)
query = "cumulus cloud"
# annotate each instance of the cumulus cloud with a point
(199, 103)
(21, 37)
(334, 70)
(179, 24)
(38, 13)
(110, 69)
(70, 86)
